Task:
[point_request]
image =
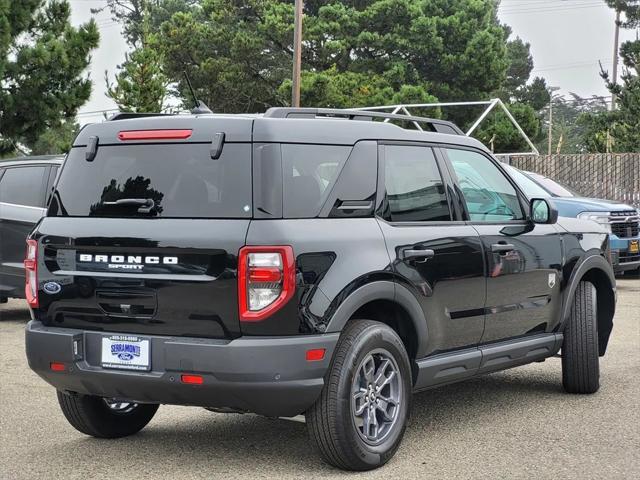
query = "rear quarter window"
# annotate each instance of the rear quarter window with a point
(309, 172)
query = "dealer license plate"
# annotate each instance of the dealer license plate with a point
(125, 352)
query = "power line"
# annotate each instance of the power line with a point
(549, 9)
(546, 5)
(570, 66)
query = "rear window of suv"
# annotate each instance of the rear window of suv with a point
(175, 181)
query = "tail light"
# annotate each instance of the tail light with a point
(31, 273)
(266, 280)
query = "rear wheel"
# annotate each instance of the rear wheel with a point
(580, 360)
(360, 417)
(105, 418)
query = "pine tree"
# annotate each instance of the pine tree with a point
(141, 84)
(619, 130)
(43, 60)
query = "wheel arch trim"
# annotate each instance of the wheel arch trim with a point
(599, 264)
(383, 290)
(589, 263)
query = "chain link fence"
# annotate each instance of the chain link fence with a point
(612, 176)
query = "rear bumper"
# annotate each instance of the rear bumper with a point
(265, 375)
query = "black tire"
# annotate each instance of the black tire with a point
(92, 416)
(330, 421)
(580, 360)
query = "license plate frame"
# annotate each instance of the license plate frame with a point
(125, 352)
(634, 246)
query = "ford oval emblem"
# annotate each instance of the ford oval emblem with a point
(52, 288)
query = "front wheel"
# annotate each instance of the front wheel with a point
(580, 360)
(104, 418)
(360, 418)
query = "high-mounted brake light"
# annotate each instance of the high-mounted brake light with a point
(126, 135)
(266, 280)
(31, 273)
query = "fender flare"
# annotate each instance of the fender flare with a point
(589, 263)
(383, 290)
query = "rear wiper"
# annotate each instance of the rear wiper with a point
(145, 204)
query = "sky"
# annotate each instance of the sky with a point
(568, 38)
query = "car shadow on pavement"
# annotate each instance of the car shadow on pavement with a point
(8, 314)
(226, 441)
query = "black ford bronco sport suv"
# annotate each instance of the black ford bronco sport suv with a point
(305, 261)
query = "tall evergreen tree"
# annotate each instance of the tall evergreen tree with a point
(355, 53)
(141, 84)
(131, 14)
(619, 130)
(238, 54)
(43, 60)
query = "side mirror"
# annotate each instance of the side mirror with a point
(543, 211)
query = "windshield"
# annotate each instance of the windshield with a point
(170, 180)
(530, 188)
(551, 186)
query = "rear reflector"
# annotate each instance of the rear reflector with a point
(315, 355)
(57, 367)
(154, 134)
(192, 379)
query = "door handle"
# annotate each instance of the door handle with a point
(502, 247)
(418, 256)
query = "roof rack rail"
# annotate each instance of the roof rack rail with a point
(433, 124)
(125, 115)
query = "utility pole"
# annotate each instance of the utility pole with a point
(551, 90)
(616, 36)
(297, 53)
(550, 123)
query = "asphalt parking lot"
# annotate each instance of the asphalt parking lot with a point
(513, 424)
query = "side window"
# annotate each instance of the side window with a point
(53, 173)
(22, 186)
(308, 172)
(488, 195)
(414, 188)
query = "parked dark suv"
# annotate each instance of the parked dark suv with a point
(309, 261)
(24, 187)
